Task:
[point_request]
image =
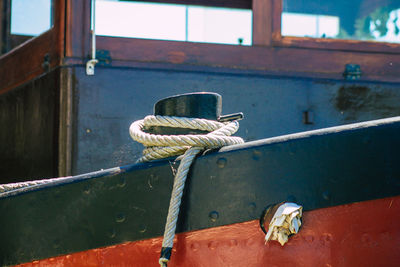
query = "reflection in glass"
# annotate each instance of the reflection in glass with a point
(173, 22)
(30, 17)
(376, 20)
(23, 19)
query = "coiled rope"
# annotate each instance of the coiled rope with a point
(162, 146)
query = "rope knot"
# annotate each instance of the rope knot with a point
(162, 146)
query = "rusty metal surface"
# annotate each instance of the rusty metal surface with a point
(353, 235)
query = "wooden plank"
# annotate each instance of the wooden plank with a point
(337, 44)
(276, 19)
(262, 22)
(77, 39)
(25, 62)
(282, 60)
(244, 4)
(28, 124)
(66, 122)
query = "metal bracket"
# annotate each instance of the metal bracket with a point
(352, 72)
(46, 62)
(90, 66)
(92, 62)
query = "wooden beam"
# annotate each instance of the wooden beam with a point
(25, 62)
(262, 22)
(377, 60)
(243, 4)
(77, 39)
(276, 19)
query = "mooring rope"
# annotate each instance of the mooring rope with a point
(13, 186)
(162, 146)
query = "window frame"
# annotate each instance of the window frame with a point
(270, 53)
(325, 43)
(26, 61)
(68, 42)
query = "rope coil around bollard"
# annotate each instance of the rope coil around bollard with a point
(163, 146)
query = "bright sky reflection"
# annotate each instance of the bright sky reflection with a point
(173, 22)
(30, 17)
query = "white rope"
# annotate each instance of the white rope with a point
(162, 146)
(14, 186)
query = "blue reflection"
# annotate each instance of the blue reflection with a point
(30, 17)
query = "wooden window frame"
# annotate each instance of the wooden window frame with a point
(25, 61)
(325, 43)
(69, 41)
(270, 54)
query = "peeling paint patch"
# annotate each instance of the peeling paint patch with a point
(356, 101)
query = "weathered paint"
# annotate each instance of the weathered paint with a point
(317, 169)
(109, 102)
(92, 128)
(358, 234)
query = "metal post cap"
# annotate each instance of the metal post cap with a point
(204, 105)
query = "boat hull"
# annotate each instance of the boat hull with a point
(358, 234)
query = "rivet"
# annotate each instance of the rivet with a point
(309, 238)
(56, 243)
(326, 195)
(88, 130)
(142, 228)
(213, 215)
(120, 217)
(252, 208)
(86, 189)
(233, 243)
(194, 246)
(256, 154)
(213, 245)
(221, 162)
(122, 182)
(250, 242)
(111, 233)
(327, 237)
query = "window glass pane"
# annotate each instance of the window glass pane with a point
(173, 22)
(23, 19)
(370, 20)
(30, 17)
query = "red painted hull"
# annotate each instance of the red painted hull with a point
(358, 234)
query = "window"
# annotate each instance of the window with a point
(367, 20)
(174, 22)
(23, 19)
